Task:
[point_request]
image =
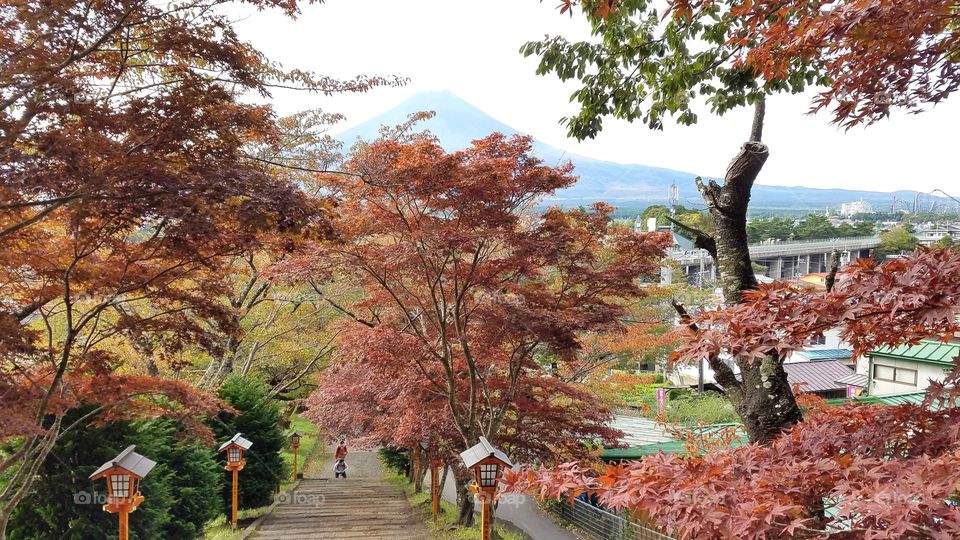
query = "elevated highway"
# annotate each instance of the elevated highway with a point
(782, 260)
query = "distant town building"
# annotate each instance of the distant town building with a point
(909, 368)
(930, 233)
(854, 208)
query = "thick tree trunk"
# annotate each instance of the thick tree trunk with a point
(424, 469)
(443, 482)
(763, 397)
(766, 403)
(220, 366)
(464, 500)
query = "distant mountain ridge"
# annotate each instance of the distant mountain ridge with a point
(457, 123)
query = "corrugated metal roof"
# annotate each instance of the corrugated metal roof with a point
(130, 461)
(855, 379)
(826, 354)
(670, 446)
(818, 376)
(911, 398)
(639, 431)
(927, 350)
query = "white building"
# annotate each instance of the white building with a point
(930, 233)
(854, 208)
(910, 368)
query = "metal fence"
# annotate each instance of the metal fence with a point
(602, 524)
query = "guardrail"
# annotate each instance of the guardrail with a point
(602, 524)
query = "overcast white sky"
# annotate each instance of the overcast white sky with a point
(470, 47)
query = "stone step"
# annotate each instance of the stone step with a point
(363, 506)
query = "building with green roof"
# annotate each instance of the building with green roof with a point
(672, 446)
(909, 368)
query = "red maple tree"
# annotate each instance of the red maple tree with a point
(128, 184)
(856, 471)
(472, 294)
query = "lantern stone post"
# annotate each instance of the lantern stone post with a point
(123, 474)
(295, 445)
(487, 463)
(235, 448)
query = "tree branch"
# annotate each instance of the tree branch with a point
(759, 111)
(725, 376)
(701, 240)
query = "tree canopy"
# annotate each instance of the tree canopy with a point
(810, 227)
(134, 173)
(868, 57)
(649, 61)
(465, 291)
(856, 471)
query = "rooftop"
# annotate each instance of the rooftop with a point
(130, 461)
(639, 431)
(237, 440)
(481, 451)
(928, 351)
(671, 446)
(818, 376)
(825, 354)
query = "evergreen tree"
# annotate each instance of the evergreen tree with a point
(64, 504)
(258, 419)
(192, 473)
(944, 242)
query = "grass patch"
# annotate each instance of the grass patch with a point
(219, 528)
(446, 527)
(310, 457)
(684, 406)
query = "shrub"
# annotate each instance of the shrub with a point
(257, 417)
(397, 459)
(182, 491)
(689, 408)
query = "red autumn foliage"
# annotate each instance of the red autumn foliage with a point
(856, 471)
(468, 297)
(127, 189)
(878, 55)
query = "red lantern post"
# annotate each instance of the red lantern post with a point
(235, 449)
(295, 444)
(487, 464)
(123, 475)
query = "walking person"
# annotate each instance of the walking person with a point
(340, 460)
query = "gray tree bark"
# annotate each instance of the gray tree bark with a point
(762, 396)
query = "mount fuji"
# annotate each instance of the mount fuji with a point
(629, 187)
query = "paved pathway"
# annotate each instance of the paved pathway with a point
(363, 505)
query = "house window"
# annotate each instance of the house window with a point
(895, 374)
(906, 376)
(818, 339)
(883, 373)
